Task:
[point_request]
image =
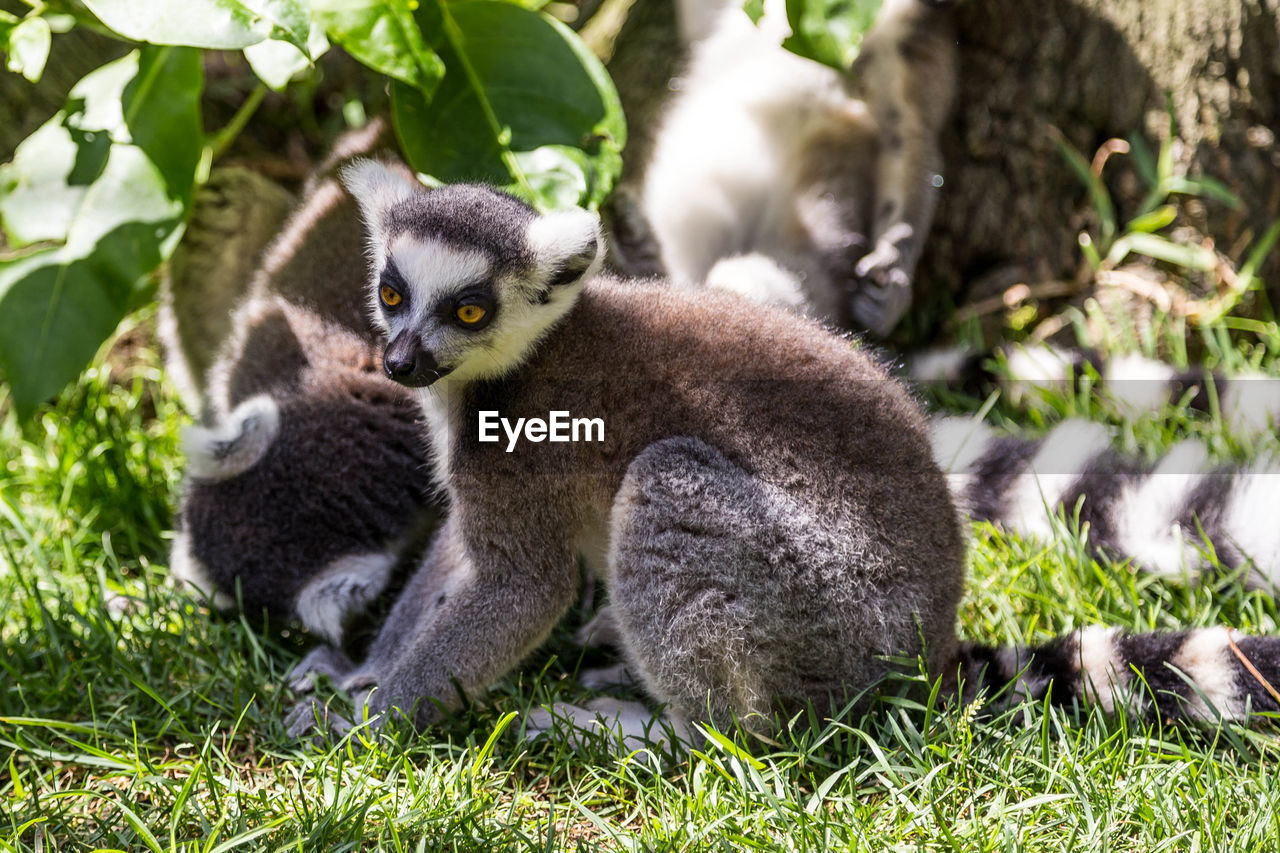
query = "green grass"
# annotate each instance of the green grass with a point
(131, 718)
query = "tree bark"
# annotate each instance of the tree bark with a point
(1097, 69)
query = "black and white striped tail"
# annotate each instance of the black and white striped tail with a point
(1175, 517)
(1204, 674)
(1248, 403)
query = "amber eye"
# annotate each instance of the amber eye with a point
(390, 296)
(470, 314)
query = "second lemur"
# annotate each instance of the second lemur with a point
(306, 480)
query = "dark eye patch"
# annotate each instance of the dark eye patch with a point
(392, 278)
(480, 294)
(565, 275)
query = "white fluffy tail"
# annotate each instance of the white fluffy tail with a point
(235, 444)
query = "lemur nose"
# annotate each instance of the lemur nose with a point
(399, 369)
(406, 362)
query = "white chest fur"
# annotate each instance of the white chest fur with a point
(441, 403)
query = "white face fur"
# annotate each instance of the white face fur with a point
(466, 279)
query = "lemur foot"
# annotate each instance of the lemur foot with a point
(884, 294)
(636, 727)
(313, 718)
(602, 630)
(320, 662)
(607, 677)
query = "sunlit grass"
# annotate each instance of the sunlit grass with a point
(132, 718)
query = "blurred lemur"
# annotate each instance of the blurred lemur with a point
(765, 509)
(795, 183)
(307, 475)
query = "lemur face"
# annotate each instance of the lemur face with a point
(466, 278)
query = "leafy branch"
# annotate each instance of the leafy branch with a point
(96, 199)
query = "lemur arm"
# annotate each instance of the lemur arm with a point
(905, 201)
(494, 607)
(907, 74)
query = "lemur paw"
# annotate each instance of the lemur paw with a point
(633, 726)
(884, 294)
(314, 718)
(320, 662)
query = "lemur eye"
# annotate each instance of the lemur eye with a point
(470, 314)
(390, 296)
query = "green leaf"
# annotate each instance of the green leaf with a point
(44, 183)
(1098, 193)
(222, 24)
(161, 112)
(130, 816)
(109, 178)
(1143, 160)
(754, 10)
(149, 98)
(27, 45)
(277, 62)
(1153, 221)
(1246, 280)
(1203, 187)
(1185, 255)
(829, 31)
(557, 175)
(730, 747)
(384, 35)
(517, 82)
(1258, 255)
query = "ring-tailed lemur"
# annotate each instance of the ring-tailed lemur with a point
(307, 476)
(792, 182)
(764, 506)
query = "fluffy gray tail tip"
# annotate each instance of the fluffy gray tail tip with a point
(234, 444)
(1200, 675)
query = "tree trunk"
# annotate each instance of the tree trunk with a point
(1097, 69)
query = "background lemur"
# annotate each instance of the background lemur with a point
(799, 185)
(764, 508)
(773, 176)
(307, 476)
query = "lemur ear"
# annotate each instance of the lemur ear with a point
(567, 244)
(375, 187)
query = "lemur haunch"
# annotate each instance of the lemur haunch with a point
(764, 509)
(308, 474)
(794, 183)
